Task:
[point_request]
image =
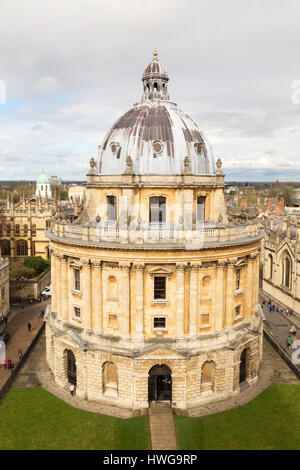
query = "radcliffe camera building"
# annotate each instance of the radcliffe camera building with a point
(154, 292)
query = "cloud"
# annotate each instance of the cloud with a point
(47, 84)
(75, 66)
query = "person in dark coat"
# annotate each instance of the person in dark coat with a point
(29, 326)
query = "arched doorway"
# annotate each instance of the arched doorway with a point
(243, 366)
(160, 383)
(71, 368)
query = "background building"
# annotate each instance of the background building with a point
(281, 276)
(4, 285)
(154, 292)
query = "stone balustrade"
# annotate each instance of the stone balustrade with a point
(155, 233)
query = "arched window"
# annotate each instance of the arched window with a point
(201, 208)
(270, 265)
(206, 287)
(110, 379)
(5, 247)
(112, 208)
(22, 248)
(71, 367)
(155, 87)
(17, 230)
(287, 272)
(157, 209)
(208, 376)
(25, 230)
(148, 87)
(112, 288)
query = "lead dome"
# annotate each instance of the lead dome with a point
(155, 134)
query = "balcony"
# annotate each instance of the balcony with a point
(196, 236)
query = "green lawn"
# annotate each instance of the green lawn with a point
(35, 419)
(270, 421)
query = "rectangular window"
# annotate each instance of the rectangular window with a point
(17, 230)
(237, 311)
(238, 277)
(159, 322)
(77, 279)
(33, 231)
(205, 319)
(157, 209)
(159, 287)
(77, 312)
(200, 209)
(111, 208)
(112, 320)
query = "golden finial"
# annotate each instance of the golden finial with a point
(155, 54)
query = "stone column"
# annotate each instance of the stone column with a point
(180, 268)
(254, 258)
(71, 286)
(219, 312)
(53, 281)
(193, 317)
(139, 302)
(229, 293)
(97, 305)
(248, 289)
(125, 300)
(87, 294)
(59, 258)
(64, 289)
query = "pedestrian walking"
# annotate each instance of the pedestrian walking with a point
(5, 364)
(20, 354)
(277, 308)
(264, 301)
(269, 302)
(270, 308)
(8, 363)
(289, 342)
(72, 389)
(12, 366)
(273, 308)
(29, 326)
(292, 330)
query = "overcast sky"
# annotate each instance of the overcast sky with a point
(72, 67)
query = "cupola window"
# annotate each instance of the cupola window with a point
(114, 146)
(198, 148)
(157, 147)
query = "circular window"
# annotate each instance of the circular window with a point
(157, 147)
(114, 147)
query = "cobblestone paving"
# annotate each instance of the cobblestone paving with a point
(19, 337)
